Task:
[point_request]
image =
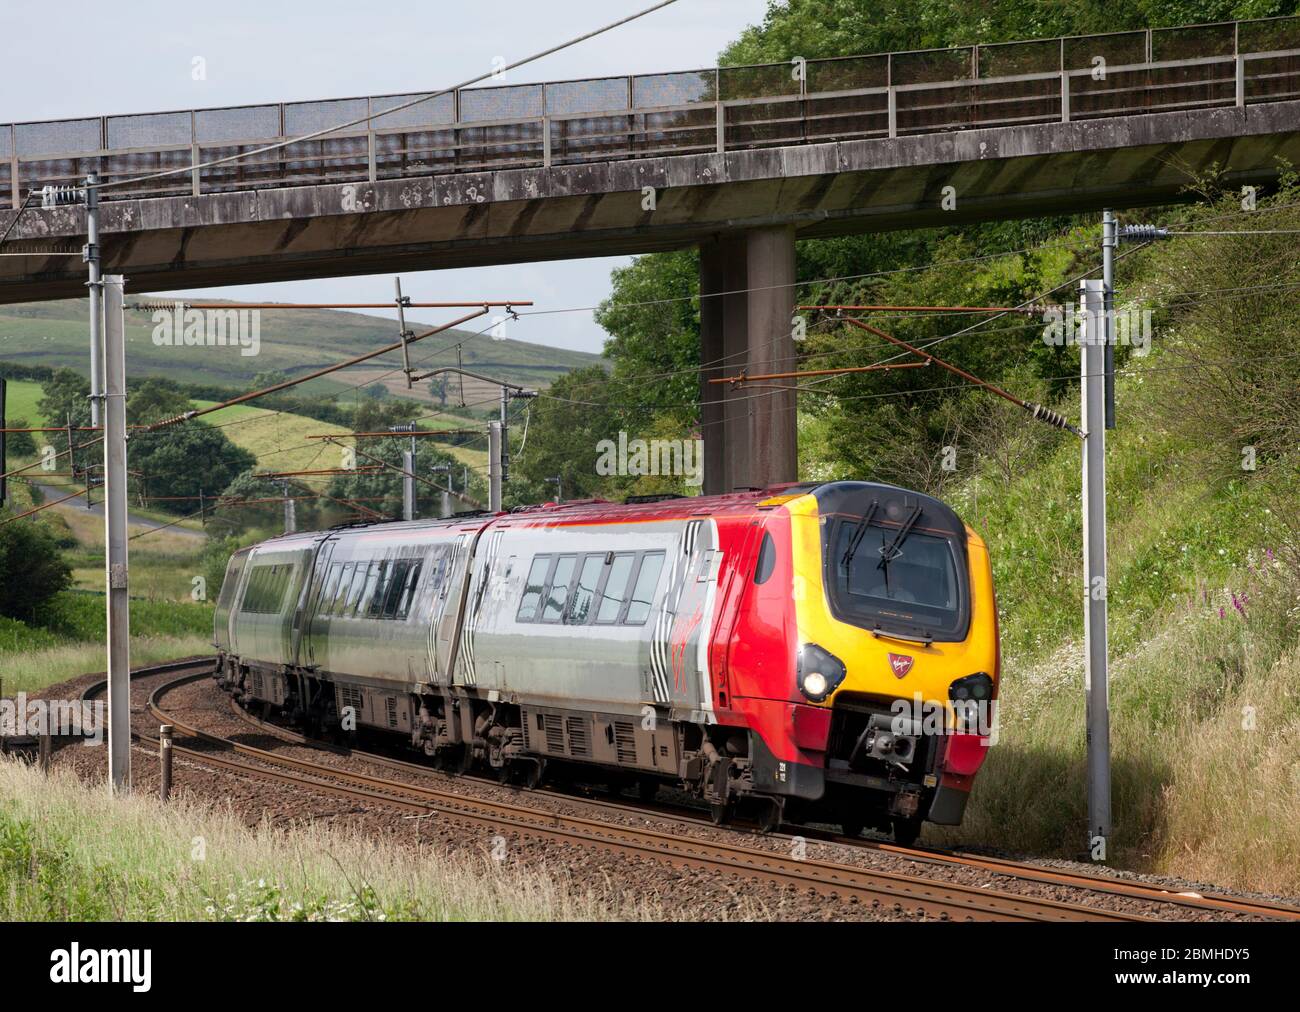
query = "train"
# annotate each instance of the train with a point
(807, 653)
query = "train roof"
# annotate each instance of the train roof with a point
(832, 497)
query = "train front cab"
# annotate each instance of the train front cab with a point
(879, 713)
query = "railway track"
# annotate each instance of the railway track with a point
(690, 818)
(880, 889)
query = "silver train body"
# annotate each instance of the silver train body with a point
(441, 631)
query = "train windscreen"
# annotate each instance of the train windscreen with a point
(909, 585)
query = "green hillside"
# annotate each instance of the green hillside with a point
(53, 334)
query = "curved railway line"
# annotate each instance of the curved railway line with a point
(912, 892)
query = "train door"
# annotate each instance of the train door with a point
(309, 631)
(451, 607)
(739, 540)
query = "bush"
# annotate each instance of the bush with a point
(19, 444)
(32, 567)
(79, 615)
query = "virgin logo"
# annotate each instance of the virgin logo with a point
(901, 664)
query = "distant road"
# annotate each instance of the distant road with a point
(52, 492)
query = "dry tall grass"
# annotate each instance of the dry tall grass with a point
(67, 853)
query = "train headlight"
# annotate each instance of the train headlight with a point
(972, 699)
(820, 672)
(978, 688)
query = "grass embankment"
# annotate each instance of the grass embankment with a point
(1205, 675)
(68, 854)
(68, 638)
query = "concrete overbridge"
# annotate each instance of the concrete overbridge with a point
(741, 161)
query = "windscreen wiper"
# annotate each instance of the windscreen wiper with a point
(863, 523)
(889, 552)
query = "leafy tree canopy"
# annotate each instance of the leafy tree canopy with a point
(30, 551)
(179, 461)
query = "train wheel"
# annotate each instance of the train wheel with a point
(852, 828)
(647, 789)
(906, 831)
(771, 814)
(720, 811)
(533, 777)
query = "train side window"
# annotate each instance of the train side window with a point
(376, 590)
(329, 588)
(766, 560)
(557, 596)
(345, 584)
(643, 592)
(264, 594)
(533, 588)
(360, 578)
(585, 592)
(408, 596)
(614, 592)
(398, 571)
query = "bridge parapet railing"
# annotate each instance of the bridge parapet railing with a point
(715, 110)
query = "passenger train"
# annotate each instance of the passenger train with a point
(813, 652)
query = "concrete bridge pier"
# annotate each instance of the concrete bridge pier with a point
(746, 311)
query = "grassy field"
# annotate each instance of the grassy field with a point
(20, 402)
(72, 854)
(279, 439)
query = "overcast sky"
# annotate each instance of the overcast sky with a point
(78, 58)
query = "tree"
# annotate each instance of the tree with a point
(816, 29)
(66, 401)
(19, 444)
(155, 399)
(381, 492)
(179, 461)
(377, 415)
(268, 378)
(29, 550)
(66, 394)
(244, 511)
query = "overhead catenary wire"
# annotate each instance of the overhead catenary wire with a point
(317, 374)
(1038, 411)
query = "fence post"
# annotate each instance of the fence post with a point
(165, 759)
(1065, 96)
(1241, 80)
(44, 750)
